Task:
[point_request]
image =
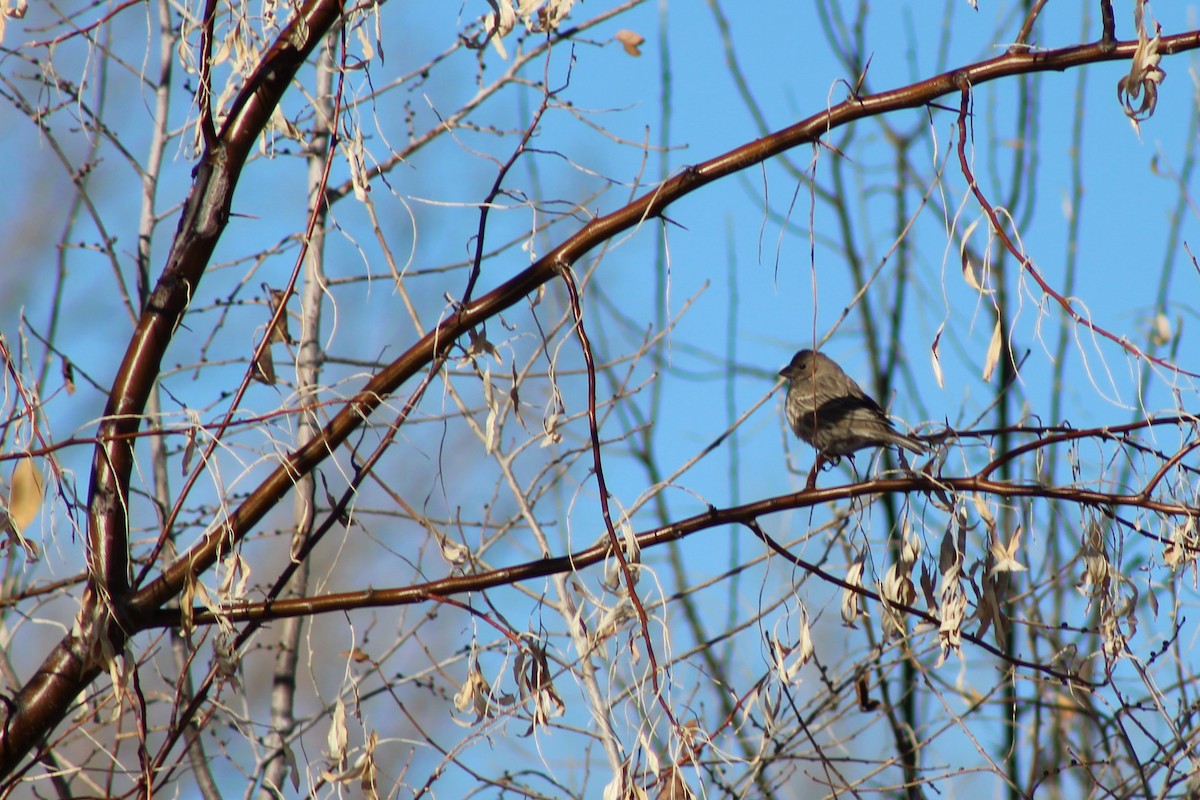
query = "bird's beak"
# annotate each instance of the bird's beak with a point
(783, 373)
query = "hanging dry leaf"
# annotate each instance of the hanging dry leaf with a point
(337, 737)
(189, 450)
(937, 361)
(11, 10)
(862, 688)
(68, 376)
(264, 368)
(25, 494)
(279, 326)
(1162, 330)
(1145, 74)
(972, 261)
(851, 600)
(631, 41)
(1005, 556)
(993, 353)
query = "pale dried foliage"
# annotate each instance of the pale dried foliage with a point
(559, 553)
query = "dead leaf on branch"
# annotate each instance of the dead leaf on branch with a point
(25, 494)
(630, 41)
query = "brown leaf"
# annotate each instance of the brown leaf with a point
(630, 41)
(264, 368)
(674, 787)
(68, 376)
(863, 688)
(25, 494)
(189, 450)
(279, 330)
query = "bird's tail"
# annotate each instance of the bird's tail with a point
(911, 444)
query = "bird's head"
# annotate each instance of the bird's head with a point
(802, 364)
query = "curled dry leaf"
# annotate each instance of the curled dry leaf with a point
(476, 695)
(226, 658)
(550, 426)
(1145, 74)
(801, 652)
(535, 680)
(851, 609)
(631, 41)
(972, 261)
(1183, 546)
(1098, 570)
(10, 10)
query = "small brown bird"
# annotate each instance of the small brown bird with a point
(827, 409)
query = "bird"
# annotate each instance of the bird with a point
(827, 409)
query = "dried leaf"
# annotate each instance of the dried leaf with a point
(368, 51)
(293, 768)
(1145, 74)
(367, 783)
(534, 679)
(189, 450)
(851, 599)
(357, 655)
(1162, 329)
(804, 646)
(937, 361)
(984, 511)
(550, 426)
(226, 656)
(674, 787)
(68, 376)
(25, 494)
(491, 432)
(863, 690)
(515, 398)
(476, 694)
(279, 330)
(455, 554)
(1183, 546)
(630, 41)
(968, 270)
(1006, 555)
(264, 368)
(653, 765)
(970, 261)
(337, 737)
(479, 345)
(993, 353)
(355, 151)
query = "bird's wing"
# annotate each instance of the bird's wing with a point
(831, 408)
(838, 400)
